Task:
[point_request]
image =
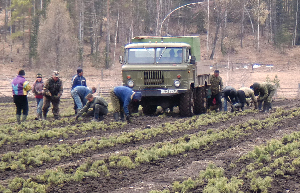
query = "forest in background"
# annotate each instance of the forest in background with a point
(62, 34)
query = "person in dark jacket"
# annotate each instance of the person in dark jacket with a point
(99, 106)
(121, 97)
(230, 95)
(53, 90)
(38, 92)
(20, 88)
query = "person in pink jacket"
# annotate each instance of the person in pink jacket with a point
(38, 92)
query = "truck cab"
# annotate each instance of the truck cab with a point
(164, 70)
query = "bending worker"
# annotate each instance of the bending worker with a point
(99, 106)
(265, 91)
(79, 94)
(121, 97)
(230, 95)
(242, 94)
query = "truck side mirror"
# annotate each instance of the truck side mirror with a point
(121, 60)
(193, 60)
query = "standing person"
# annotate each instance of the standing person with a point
(265, 91)
(53, 90)
(216, 88)
(99, 106)
(230, 95)
(242, 94)
(79, 94)
(78, 80)
(121, 97)
(38, 92)
(20, 88)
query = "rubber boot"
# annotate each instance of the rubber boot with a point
(101, 118)
(122, 116)
(24, 117)
(116, 117)
(40, 117)
(259, 105)
(37, 117)
(267, 107)
(96, 116)
(18, 119)
(44, 116)
(220, 107)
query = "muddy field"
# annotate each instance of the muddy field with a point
(64, 160)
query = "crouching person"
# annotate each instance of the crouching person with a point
(121, 97)
(99, 106)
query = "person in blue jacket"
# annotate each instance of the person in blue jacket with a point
(121, 96)
(78, 80)
(79, 94)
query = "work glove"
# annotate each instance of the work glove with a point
(47, 93)
(128, 119)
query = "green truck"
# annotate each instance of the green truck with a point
(168, 72)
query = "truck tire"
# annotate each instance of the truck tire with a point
(149, 109)
(200, 100)
(186, 104)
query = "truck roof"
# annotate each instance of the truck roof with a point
(157, 45)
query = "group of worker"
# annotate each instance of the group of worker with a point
(238, 98)
(84, 100)
(121, 96)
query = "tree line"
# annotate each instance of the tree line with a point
(64, 32)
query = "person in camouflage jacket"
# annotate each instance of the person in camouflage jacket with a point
(266, 91)
(99, 106)
(53, 90)
(216, 89)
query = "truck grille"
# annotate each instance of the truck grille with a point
(153, 77)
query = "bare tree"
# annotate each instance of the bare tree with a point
(57, 45)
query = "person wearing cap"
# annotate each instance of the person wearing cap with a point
(79, 94)
(38, 86)
(121, 96)
(20, 88)
(99, 106)
(230, 95)
(52, 92)
(78, 80)
(266, 91)
(216, 89)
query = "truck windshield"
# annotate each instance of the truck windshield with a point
(154, 55)
(168, 55)
(141, 55)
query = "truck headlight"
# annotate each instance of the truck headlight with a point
(130, 83)
(176, 83)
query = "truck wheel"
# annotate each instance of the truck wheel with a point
(186, 104)
(199, 100)
(149, 109)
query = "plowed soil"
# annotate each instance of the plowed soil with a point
(159, 175)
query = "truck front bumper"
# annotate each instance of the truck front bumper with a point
(161, 92)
